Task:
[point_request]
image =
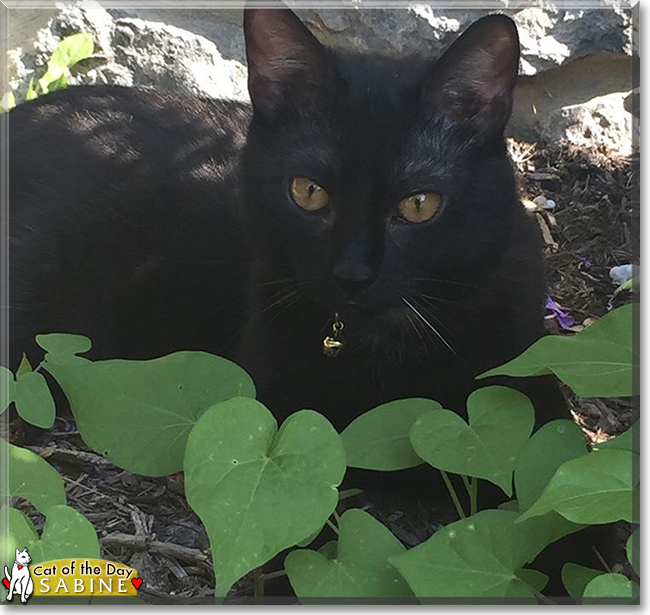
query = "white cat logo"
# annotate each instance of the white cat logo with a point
(20, 581)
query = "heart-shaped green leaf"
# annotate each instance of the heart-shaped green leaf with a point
(611, 586)
(632, 549)
(627, 441)
(31, 477)
(380, 438)
(60, 346)
(360, 567)
(597, 362)
(258, 490)
(139, 413)
(7, 387)
(471, 558)
(576, 577)
(66, 534)
(595, 488)
(34, 401)
(552, 445)
(500, 422)
(20, 533)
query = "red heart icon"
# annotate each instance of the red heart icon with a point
(6, 583)
(137, 583)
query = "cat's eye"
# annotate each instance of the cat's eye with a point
(308, 194)
(419, 207)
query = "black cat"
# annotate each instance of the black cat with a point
(369, 195)
(374, 189)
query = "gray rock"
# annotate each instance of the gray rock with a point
(130, 52)
(549, 37)
(576, 65)
(602, 123)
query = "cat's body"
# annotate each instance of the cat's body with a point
(153, 223)
(134, 221)
(116, 195)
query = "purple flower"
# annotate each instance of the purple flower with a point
(586, 262)
(564, 319)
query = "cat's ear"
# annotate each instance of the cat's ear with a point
(17, 552)
(285, 61)
(473, 82)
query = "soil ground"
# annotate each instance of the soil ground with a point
(146, 522)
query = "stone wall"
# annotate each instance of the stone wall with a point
(576, 68)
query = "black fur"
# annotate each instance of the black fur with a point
(153, 223)
(134, 222)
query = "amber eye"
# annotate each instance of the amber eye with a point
(419, 207)
(308, 194)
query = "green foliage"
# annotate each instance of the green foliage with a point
(632, 283)
(7, 389)
(140, 413)
(500, 422)
(600, 361)
(66, 533)
(259, 490)
(24, 367)
(33, 400)
(632, 548)
(627, 441)
(551, 446)
(63, 347)
(380, 438)
(30, 477)
(477, 557)
(611, 586)
(30, 394)
(69, 52)
(358, 566)
(576, 577)
(596, 488)
(8, 102)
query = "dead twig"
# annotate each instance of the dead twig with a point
(167, 549)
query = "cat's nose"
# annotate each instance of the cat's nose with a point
(352, 277)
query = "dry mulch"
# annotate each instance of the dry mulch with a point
(146, 522)
(594, 227)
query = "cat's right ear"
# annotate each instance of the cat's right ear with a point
(285, 61)
(473, 82)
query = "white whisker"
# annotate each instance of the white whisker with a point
(426, 322)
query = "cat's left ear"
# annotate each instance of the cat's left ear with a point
(473, 82)
(285, 61)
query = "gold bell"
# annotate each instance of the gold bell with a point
(333, 344)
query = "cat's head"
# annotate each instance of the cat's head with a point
(373, 178)
(22, 557)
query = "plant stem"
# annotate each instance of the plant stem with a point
(452, 493)
(337, 518)
(274, 575)
(540, 596)
(333, 526)
(473, 495)
(258, 580)
(471, 485)
(467, 483)
(600, 558)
